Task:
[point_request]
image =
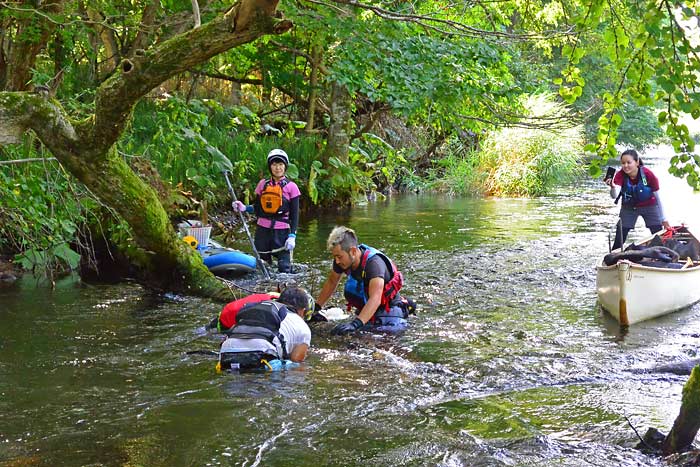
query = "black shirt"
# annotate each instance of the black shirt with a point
(375, 267)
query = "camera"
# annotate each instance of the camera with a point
(610, 173)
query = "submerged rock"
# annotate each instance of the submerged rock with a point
(678, 368)
(9, 273)
(652, 442)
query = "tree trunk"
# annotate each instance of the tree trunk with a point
(236, 93)
(339, 129)
(30, 38)
(197, 18)
(59, 62)
(86, 148)
(166, 262)
(316, 57)
(145, 32)
(109, 42)
(5, 42)
(687, 424)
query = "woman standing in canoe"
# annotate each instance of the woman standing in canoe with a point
(640, 197)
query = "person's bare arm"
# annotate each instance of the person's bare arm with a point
(375, 290)
(299, 353)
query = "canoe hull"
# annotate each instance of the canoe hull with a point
(633, 292)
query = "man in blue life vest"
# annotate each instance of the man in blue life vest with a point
(263, 331)
(372, 286)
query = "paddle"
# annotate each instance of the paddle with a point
(245, 227)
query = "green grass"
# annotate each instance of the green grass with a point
(518, 161)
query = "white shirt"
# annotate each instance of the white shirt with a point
(293, 328)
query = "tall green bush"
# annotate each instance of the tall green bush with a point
(190, 142)
(531, 161)
(457, 172)
(525, 160)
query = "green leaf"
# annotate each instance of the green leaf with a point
(200, 180)
(31, 259)
(311, 186)
(666, 84)
(292, 171)
(65, 253)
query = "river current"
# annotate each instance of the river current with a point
(509, 361)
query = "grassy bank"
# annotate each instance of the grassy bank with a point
(524, 160)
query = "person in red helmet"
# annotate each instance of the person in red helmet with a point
(277, 208)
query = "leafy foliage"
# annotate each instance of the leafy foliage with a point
(531, 161)
(457, 173)
(651, 45)
(188, 150)
(518, 161)
(42, 212)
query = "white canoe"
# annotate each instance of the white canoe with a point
(632, 292)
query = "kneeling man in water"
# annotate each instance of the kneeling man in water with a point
(265, 333)
(372, 286)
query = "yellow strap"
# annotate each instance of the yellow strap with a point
(266, 363)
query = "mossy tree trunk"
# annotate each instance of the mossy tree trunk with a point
(31, 34)
(339, 128)
(687, 424)
(87, 148)
(338, 139)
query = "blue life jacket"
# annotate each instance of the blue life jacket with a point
(355, 292)
(637, 193)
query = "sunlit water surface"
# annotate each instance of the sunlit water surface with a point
(509, 361)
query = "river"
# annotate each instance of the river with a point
(509, 360)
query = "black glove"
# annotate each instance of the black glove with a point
(317, 307)
(317, 317)
(347, 328)
(213, 325)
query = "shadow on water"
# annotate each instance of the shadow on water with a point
(508, 362)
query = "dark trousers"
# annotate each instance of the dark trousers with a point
(621, 236)
(267, 240)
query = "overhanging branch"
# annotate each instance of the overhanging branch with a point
(23, 111)
(245, 22)
(446, 26)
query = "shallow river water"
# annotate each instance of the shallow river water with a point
(509, 360)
